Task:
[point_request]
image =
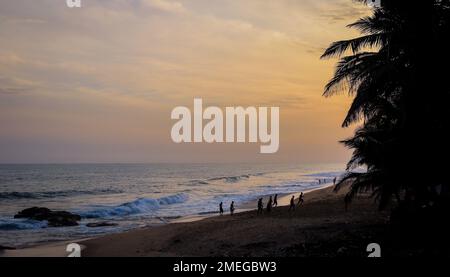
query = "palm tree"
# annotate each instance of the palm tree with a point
(382, 69)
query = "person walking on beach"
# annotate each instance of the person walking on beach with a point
(221, 208)
(334, 181)
(269, 205)
(260, 206)
(232, 208)
(300, 199)
(275, 200)
(292, 205)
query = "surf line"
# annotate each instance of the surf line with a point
(235, 125)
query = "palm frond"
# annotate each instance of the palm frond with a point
(379, 22)
(350, 72)
(336, 49)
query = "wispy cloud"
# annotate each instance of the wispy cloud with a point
(344, 11)
(165, 5)
(14, 86)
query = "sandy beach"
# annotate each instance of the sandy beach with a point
(320, 227)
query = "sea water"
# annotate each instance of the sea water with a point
(138, 195)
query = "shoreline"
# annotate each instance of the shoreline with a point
(200, 226)
(283, 200)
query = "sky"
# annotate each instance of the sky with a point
(98, 83)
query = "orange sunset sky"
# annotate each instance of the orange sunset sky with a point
(98, 83)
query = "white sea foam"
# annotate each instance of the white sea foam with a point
(7, 224)
(138, 206)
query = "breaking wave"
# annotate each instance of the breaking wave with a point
(21, 224)
(138, 206)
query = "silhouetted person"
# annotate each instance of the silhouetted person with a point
(260, 206)
(232, 208)
(269, 205)
(221, 208)
(300, 199)
(320, 181)
(292, 204)
(275, 200)
(334, 181)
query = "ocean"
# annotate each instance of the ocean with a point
(138, 195)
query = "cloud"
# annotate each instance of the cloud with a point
(344, 11)
(165, 6)
(10, 59)
(15, 86)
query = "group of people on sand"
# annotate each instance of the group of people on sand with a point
(324, 181)
(292, 202)
(231, 208)
(320, 181)
(273, 202)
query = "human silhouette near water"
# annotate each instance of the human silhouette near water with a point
(269, 205)
(260, 206)
(275, 200)
(300, 199)
(221, 208)
(232, 208)
(292, 204)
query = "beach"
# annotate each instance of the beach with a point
(320, 227)
(135, 196)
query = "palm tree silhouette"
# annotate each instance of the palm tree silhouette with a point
(402, 117)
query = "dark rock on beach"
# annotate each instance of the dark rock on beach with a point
(2, 247)
(100, 224)
(54, 218)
